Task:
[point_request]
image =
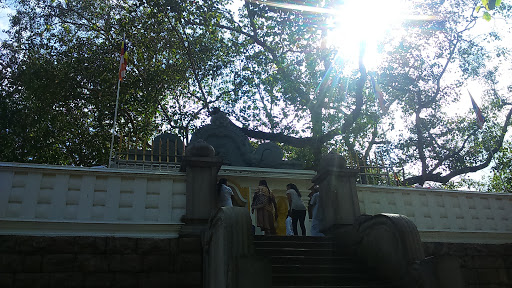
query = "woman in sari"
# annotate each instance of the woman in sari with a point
(264, 202)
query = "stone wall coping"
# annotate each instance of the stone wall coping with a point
(78, 228)
(96, 170)
(266, 172)
(423, 190)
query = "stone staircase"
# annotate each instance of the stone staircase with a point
(311, 262)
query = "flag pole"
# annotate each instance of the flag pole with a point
(117, 99)
(114, 126)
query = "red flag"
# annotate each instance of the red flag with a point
(480, 119)
(379, 94)
(124, 60)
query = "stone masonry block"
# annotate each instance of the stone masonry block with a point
(91, 245)
(503, 276)
(125, 263)
(34, 245)
(482, 261)
(126, 280)
(190, 279)
(120, 245)
(153, 246)
(6, 280)
(470, 276)
(173, 246)
(97, 280)
(189, 244)
(8, 243)
(32, 263)
(156, 279)
(32, 280)
(190, 263)
(60, 245)
(488, 276)
(507, 261)
(92, 263)
(67, 279)
(11, 263)
(58, 263)
(157, 263)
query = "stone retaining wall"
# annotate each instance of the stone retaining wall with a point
(35, 261)
(482, 265)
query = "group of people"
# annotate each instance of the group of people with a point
(265, 206)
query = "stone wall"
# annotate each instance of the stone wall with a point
(37, 261)
(482, 265)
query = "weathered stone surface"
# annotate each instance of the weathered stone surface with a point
(59, 263)
(155, 279)
(126, 280)
(190, 278)
(187, 244)
(72, 279)
(489, 276)
(8, 244)
(484, 261)
(27, 244)
(32, 280)
(94, 280)
(32, 263)
(91, 263)
(157, 263)
(99, 262)
(125, 263)
(91, 245)
(153, 246)
(190, 262)
(120, 245)
(60, 245)
(11, 263)
(6, 280)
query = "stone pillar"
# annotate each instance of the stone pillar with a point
(338, 195)
(202, 168)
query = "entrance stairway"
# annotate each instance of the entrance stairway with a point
(311, 262)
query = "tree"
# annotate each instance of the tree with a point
(270, 68)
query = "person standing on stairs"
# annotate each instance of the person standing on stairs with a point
(297, 207)
(314, 210)
(224, 193)
(264, 202)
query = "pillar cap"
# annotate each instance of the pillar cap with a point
(200, 149)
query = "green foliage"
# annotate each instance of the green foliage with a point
(488, 5)
(501, 180)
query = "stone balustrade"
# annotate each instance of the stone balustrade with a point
(44, 199)
(444, 215)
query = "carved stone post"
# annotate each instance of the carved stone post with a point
(202, 168)
(338, 195)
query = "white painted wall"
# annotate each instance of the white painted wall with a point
(44, 199)
(91, 199)
(444, 215)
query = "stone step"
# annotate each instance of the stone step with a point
(308, 268)
(327, 279)
(310, 260)
(299, 261)
(269, 243)
(378, 285)
(295, 252)
(292, 238)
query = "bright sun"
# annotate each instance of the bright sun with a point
(355, 23)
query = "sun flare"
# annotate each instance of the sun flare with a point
(354, 24)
